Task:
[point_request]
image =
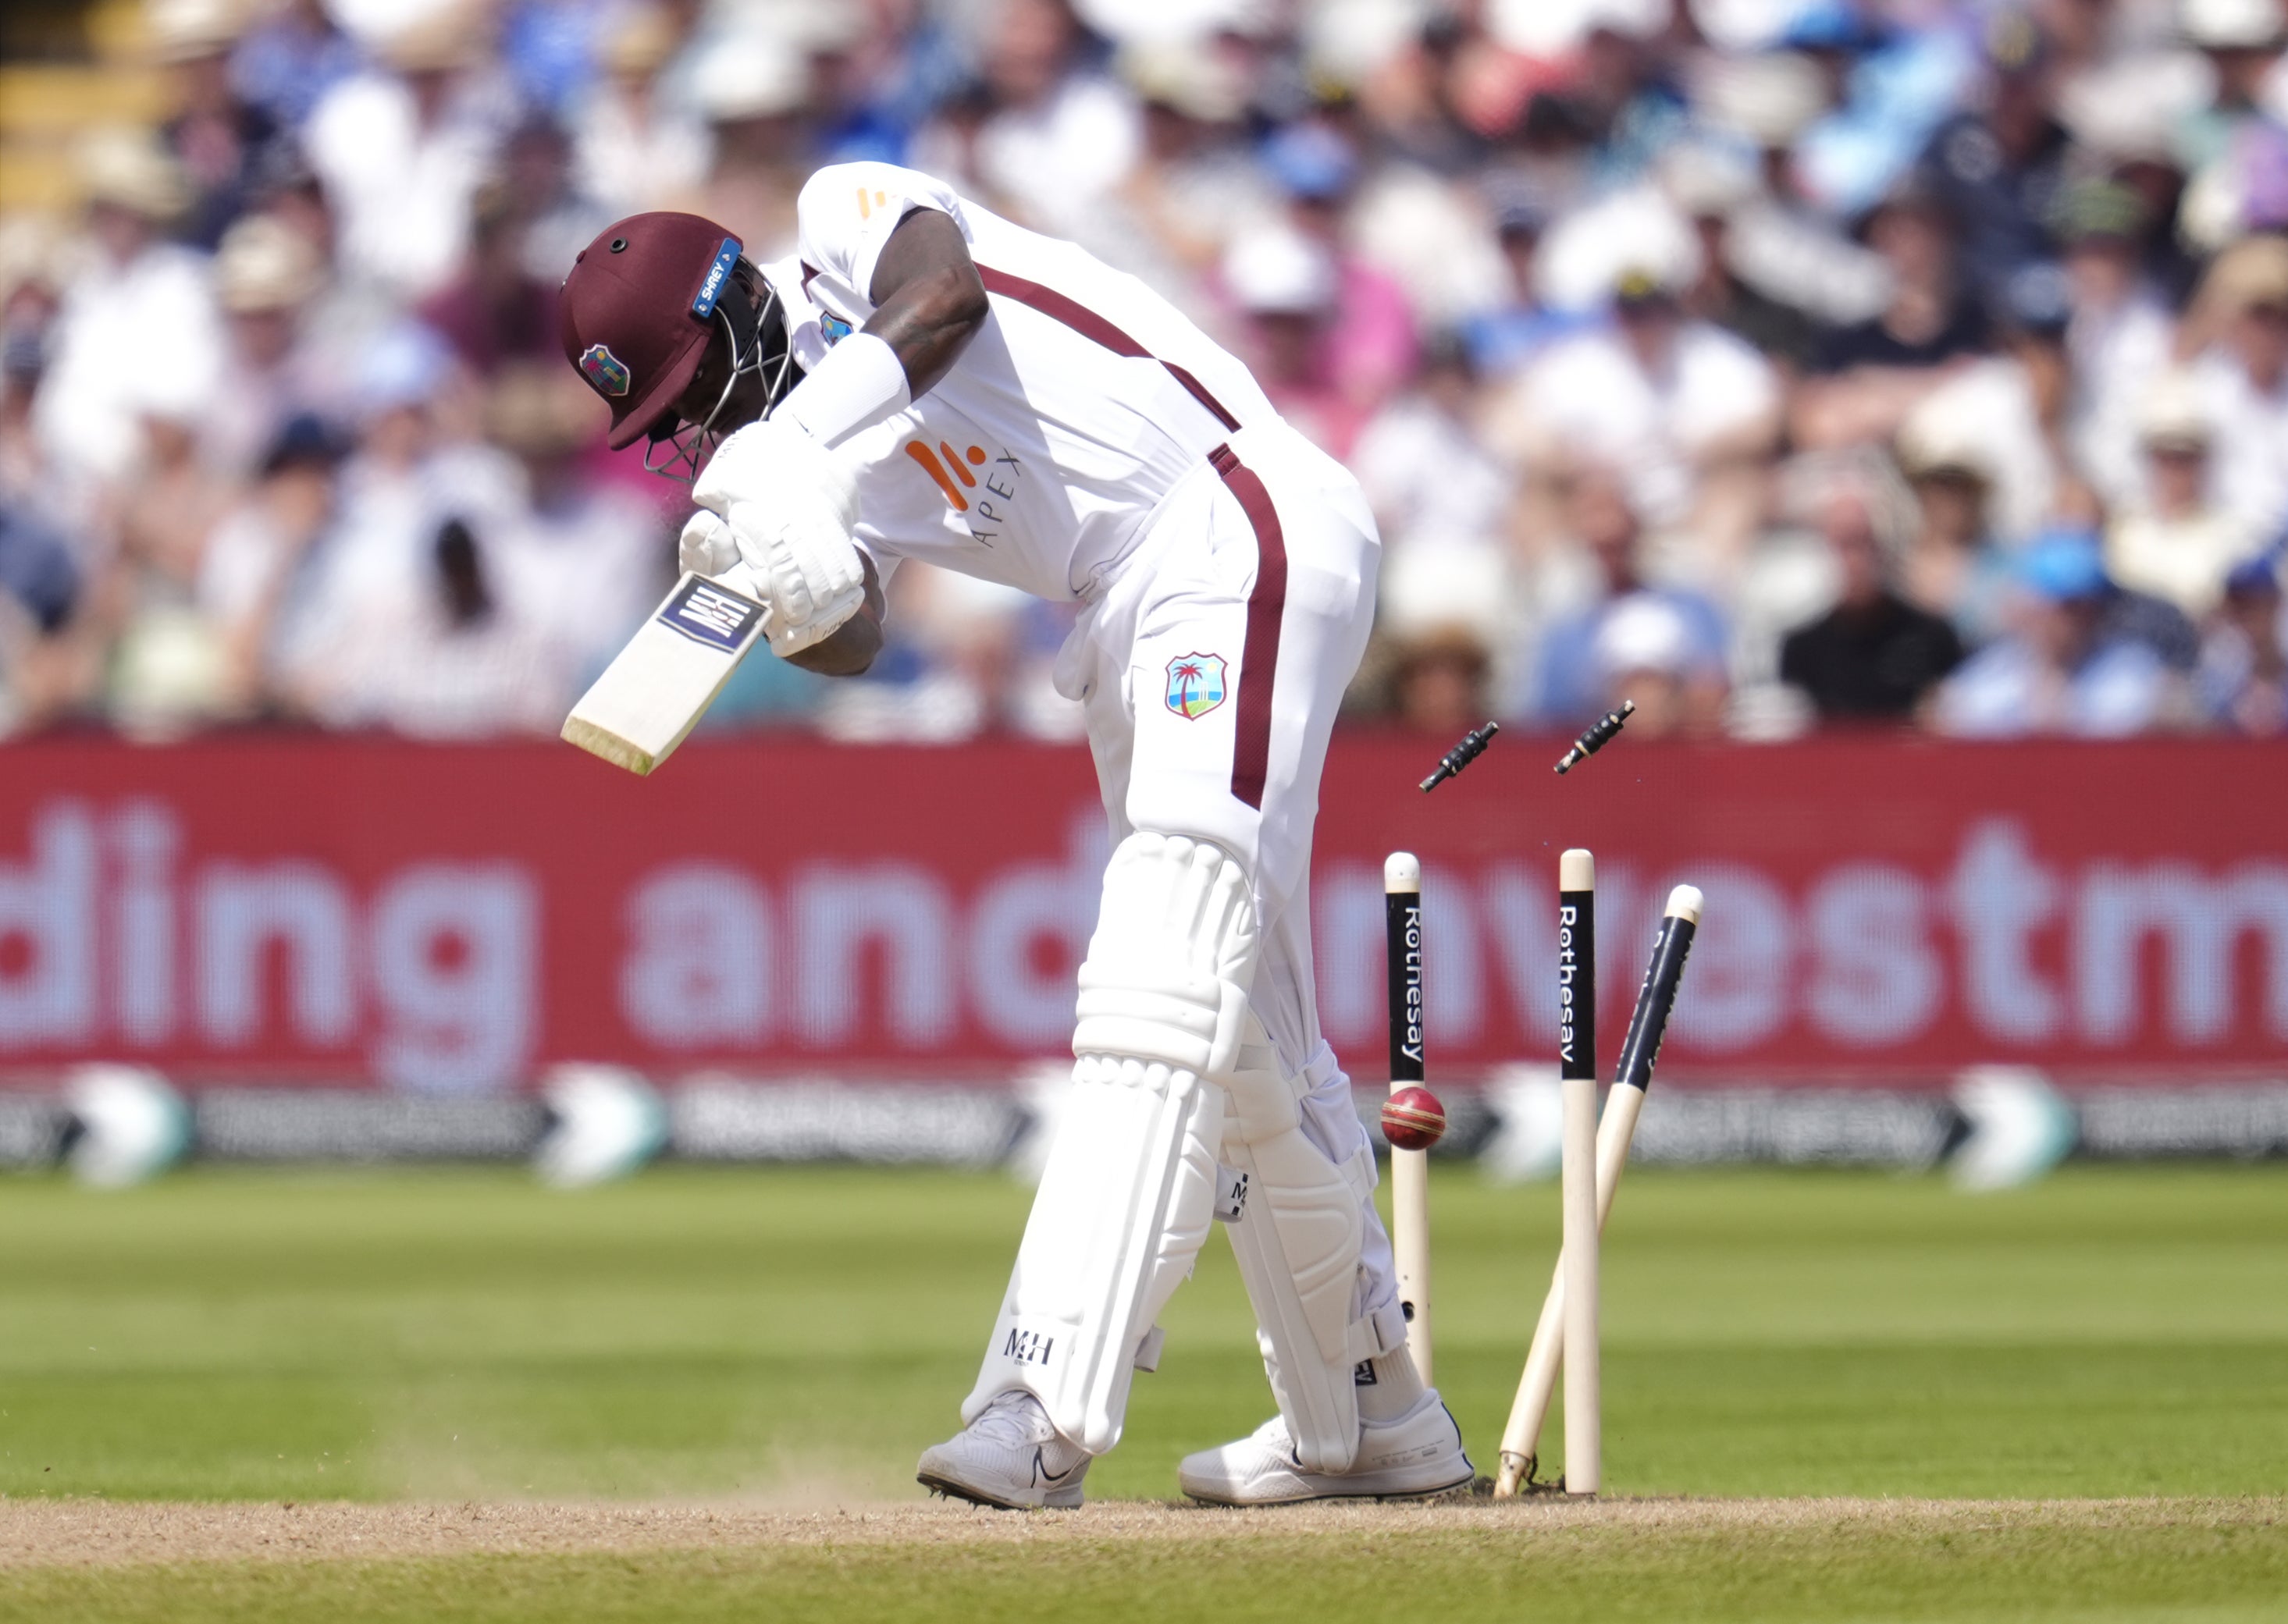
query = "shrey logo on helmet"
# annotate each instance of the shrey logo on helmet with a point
(1195, 684)
(711, 287)
(606, 371)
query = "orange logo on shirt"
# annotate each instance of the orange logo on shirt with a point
(866, 209)
(937, 470)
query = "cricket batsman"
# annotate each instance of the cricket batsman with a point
(924, 380)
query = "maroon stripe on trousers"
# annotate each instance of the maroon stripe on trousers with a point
(1097, 330)
(1266, 605)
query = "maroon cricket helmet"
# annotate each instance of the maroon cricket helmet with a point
(639, 311)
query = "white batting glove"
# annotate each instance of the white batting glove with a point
(705, 548)
(708, 548)
(788, 507)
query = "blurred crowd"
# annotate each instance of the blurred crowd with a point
(1773, 363)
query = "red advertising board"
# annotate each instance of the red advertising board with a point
(286, 909)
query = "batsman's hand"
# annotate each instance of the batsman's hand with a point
(706, 547)
(788, 505)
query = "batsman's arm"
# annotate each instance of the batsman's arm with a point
(929, 301)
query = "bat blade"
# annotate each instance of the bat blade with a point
(656, 688)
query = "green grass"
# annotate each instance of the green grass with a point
(802, 1334)
(694, 1332)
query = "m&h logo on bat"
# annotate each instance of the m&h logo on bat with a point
(1196, 685)
(606, 371)
(711, 615)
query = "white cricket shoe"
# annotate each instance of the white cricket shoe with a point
(1418, 1453)
(1010, 1457)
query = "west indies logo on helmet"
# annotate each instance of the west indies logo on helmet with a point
(606, 371)
(646, 306)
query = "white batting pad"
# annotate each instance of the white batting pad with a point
(1130, 1184)
(1298, 1248)
(656, 688)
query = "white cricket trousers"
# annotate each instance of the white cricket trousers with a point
(1260, 562)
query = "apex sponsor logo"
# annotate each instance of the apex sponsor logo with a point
(986, 512)
(713, 614)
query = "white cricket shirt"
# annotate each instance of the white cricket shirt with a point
(1078, 405)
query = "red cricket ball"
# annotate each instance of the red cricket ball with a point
(1412, 1119)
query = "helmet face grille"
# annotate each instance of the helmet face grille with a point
(678, 450)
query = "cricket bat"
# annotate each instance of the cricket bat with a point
(656, 688)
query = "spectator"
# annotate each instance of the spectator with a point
(1999, 168)
(1061, 136)
(168, 671)
(31, 274)
(1690, 411)
(636, 148)
(1506, 337)
(163, 517)
(1891, 86)
(380, 581)
(259, 552)
(1196, 184)
(1369, 341)
(1284, 286)
(1874, 656)
(1444, 609)
(1425, 466)
(1682, 642)
(2013, 406)
(1777, 242)
(266, 276)
(40, 673)
(139, 320)
(2241, 316)
(1951, 568)
(1873, 373)
(581, 558)
(220, 140)
(1440, 682)
(464, 663)
(2120, 332)
(1434, 98)
(496, 311)
(2244, 673)
(402, 149)
(289, 59)
(2058, 671)
(37, 576)
(880, 70)
(1647, 651)
(1707, 186)
(754, 86)
(2173, 540)
(560, 219)
(2230, 144)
